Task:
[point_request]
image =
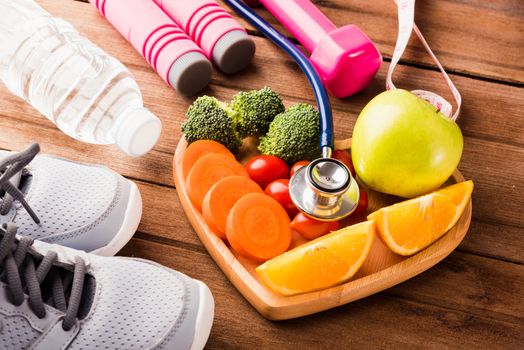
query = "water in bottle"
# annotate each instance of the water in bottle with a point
(87, 93)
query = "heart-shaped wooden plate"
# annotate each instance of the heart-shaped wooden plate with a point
(381, 270)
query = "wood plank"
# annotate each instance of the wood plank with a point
(495, 240)
(473, 284)
(456, 31)
(379, 321)
(496, 181)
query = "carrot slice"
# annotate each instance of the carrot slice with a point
(207, 171)
(222, 197)
(198, 149)
(258, 227)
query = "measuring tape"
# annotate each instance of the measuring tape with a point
(406, 25)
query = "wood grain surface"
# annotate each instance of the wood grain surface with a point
(474, 299)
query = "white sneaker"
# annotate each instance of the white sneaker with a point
(86, 207)
(53, 297)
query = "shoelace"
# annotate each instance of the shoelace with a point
(11, 168)
(19, 270)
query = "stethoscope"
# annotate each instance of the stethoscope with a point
(325, 189)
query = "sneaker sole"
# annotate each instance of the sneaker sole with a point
(129, 226)
(204, 319)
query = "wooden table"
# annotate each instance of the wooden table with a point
(473, 299)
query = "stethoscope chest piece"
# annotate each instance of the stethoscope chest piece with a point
(324, 190)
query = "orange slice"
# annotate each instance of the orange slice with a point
(410, 226)
(321, 263)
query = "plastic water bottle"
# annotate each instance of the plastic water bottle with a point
(87, 93)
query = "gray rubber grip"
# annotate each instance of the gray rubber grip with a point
(233, 51)
(190, 73)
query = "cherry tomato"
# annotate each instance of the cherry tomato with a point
(297, 166)
(362, 206)
(310, 228)
(279, 190)
(345, 158)
(266, 169)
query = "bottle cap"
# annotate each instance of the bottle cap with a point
(233, 51)
(190, 73)
(138, 133)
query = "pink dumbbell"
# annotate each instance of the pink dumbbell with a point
(167, 48)
(345, 57)
(221, 37)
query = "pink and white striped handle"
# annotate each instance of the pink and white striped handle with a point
(205, 21)
(151, 32)
(406, 25)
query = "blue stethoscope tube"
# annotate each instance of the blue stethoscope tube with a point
(324, 107)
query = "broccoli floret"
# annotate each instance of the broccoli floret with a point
(293, 135)
(210, 119)
(256, 110)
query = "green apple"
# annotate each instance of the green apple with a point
(403, 146)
